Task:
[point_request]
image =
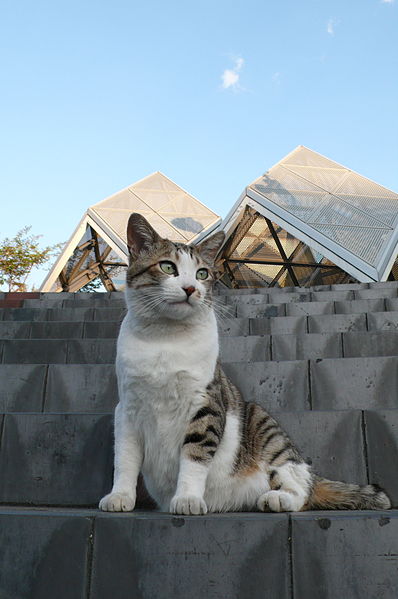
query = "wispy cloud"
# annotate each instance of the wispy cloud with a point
(276, 78)
(331, 26)
(387, 1)
(230, 77)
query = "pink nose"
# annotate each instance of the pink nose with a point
(189, 290)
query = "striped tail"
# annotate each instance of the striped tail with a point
(333, 495)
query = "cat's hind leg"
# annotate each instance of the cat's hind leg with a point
(290, 484)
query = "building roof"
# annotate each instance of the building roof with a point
(101, 233)
(346, 217)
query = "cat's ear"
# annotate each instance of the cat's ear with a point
(140, 234)
(210, 247)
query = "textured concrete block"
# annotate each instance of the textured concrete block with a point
(383, 321)
(382, 440)
(34, 351)
(98, 303)
(384, 284)
(87, 351)
(69, 314)
(306, 308)
(391, 304)
(249, 299)
(214, 556)
(332, 296)
(306, 347)
(109, 314)
(14, 330)
(81, 388)
(376, 293)
(345, 555)
(285, 325)
(358, 306)
(226, 291)
(56, 330)
(289, 298)
(348, 286)
(22, 387)
(43, 302)
(55, 459)
(233, 326)
(43, 555)
(362, 383)
(370, 344)
(55, 295)
(82, 296)
(245, 349)
(26, 314)
(262, 310)
(277, 386)
(101, 330)
(336, 323)
(331, 441)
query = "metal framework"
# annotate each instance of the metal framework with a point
(311, 221)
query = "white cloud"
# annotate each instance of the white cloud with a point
(387, 1)
(331, 25)
(276, 78)
(230, 77)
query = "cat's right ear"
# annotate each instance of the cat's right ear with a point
(140, 235)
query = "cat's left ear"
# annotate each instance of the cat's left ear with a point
(210, 247)
(140, 235)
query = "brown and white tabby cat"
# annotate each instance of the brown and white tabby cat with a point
(180, 421)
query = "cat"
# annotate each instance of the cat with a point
(180, 421)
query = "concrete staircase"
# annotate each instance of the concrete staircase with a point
(324, 360)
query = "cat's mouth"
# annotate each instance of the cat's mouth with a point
(185, 302)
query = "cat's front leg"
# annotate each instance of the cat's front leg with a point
(200, 444)
(128, 461)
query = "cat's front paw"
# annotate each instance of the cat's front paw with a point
(117, 502)
(188, 504)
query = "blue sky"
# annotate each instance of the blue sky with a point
(97, 94)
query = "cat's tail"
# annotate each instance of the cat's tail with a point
(333, 495)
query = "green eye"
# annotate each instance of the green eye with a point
(202, 274)
(168, 267)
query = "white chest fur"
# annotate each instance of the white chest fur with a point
(162, 380)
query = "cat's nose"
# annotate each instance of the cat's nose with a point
(189, 290)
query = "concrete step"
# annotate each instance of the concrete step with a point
(82, 553)
(67, 459)
(221, 290)
(321, 384)
(306, 295)
(251, 348)
(326, 323)
(266, 310)
(248, 306)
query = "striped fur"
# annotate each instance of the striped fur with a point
(180, 420)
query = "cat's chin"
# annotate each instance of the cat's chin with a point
(180, 310)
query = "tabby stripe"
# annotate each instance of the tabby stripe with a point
(279, 453)
(272, 474)
(269, 438)
(194, 438)
(141, 272)
(261, 422)
(209, 443)
(205, 411)
(211, 429)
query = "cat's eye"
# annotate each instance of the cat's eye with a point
(202, 274)
(168, 267)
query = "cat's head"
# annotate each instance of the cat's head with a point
(167, 280)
